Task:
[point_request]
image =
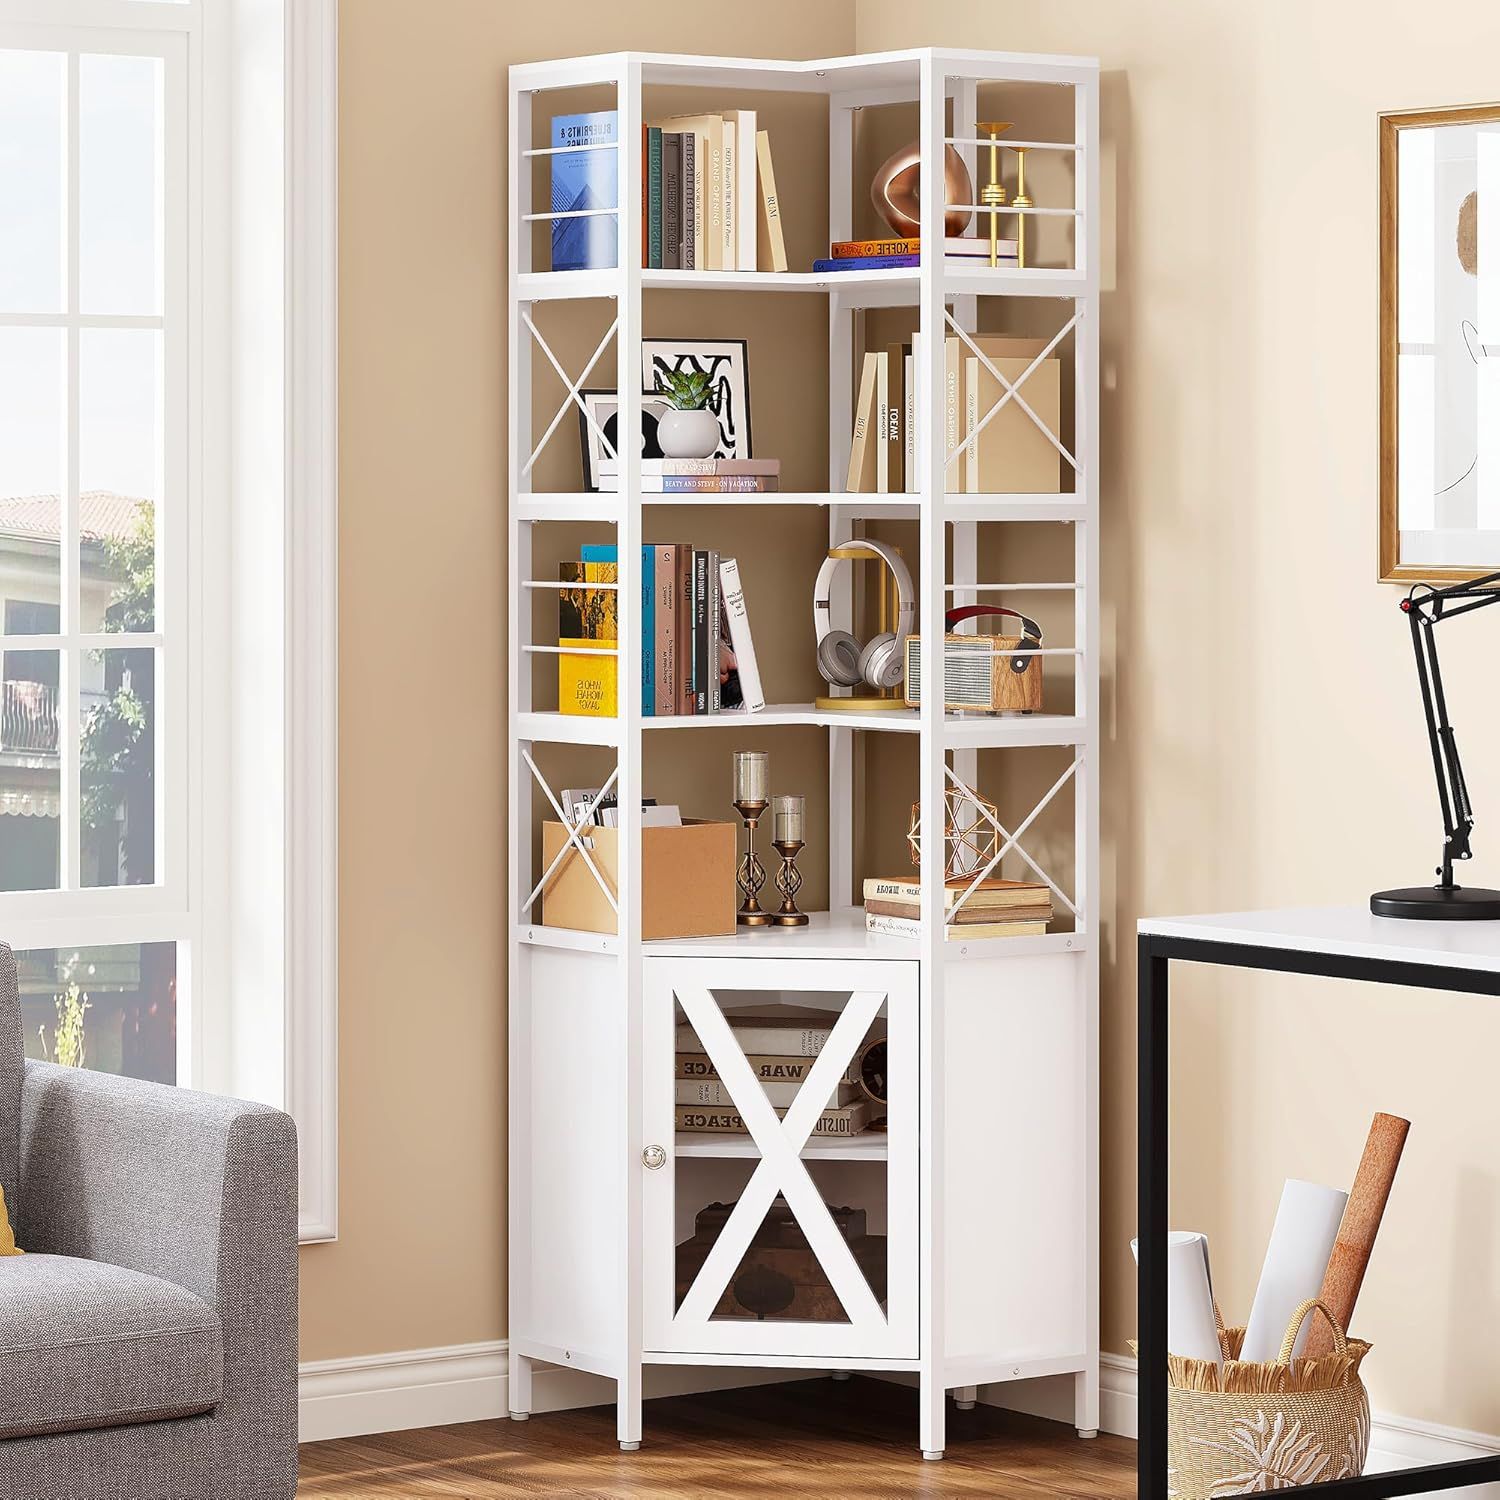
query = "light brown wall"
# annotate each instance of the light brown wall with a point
(420, 1258)
(1261, 743)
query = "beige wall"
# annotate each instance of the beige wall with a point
(1261, 741)
(420, 1258)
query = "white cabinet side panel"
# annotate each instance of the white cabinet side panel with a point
(578, 1153)
(1014, 1105)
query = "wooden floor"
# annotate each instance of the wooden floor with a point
(812, 1440)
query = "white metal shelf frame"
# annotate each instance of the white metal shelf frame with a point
(948, 744)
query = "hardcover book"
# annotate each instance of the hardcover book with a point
(607, 552)
(992, 892)
(788, 1036)
(671, 200)
(583, 181)
(587, 618)
(768, 1069)
(771, 255)
(666, 629)
(714, 1095)
(653, 197)
(912, 927)
(849, 1120)
(747, 670)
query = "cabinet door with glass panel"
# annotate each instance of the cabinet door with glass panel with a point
(780, 1182)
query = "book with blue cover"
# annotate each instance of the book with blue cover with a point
(865, 263)
(586, 180)
(607, 552)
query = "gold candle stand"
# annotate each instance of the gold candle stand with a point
(1022, 199)
(993, 193)
(751, 877)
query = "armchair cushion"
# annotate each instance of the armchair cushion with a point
(85, 1344)
(12, 1064)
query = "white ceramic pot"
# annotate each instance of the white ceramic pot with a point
(687, 434)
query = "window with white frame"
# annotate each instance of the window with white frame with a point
(167, 545)
(98, 486)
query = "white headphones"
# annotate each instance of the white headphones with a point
(841, 659)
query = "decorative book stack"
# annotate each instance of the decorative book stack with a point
(781, 1051)
(881, 255)
(690, 476)
(998, 908)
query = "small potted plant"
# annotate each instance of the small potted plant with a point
(688, 429)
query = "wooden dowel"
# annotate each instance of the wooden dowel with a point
(1358, 1228)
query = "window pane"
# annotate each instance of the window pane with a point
(111, 1009)
(32, 461)
(119, 473)
(30, 776)
(120, 184)
(33, 99)
(117, 769)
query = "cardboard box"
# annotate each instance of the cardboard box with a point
(687, 880)
(1012, 454)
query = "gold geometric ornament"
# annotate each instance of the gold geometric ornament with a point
(970, 838)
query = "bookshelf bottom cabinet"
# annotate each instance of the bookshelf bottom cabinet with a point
(746, 1182)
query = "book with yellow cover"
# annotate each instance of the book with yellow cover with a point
(587, 618)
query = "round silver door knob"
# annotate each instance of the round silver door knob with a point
(654, 1157)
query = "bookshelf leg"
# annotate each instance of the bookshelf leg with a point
(964, 1397)
(1086, 1403)
(933, 1416)
(628, 1413)
(518, 1398)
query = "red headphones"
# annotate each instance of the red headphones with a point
(1031, 632)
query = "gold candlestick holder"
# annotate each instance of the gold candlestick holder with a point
(751, 878)
(1022, 199)
(992, 195)
(789, 882)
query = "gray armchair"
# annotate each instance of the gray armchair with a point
(148, 1338)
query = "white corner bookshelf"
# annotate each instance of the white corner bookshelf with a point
(981, 1191)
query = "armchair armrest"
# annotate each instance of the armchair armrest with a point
(200, 1191)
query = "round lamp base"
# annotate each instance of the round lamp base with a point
(1431, 903)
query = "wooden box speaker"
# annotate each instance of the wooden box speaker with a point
(983, 672)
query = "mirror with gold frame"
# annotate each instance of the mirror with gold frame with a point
(1440, 343)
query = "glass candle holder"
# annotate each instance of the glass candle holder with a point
(752, 776)
(788, 819)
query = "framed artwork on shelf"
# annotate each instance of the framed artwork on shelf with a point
(727, 364)
(1440, 344)
(604, 408)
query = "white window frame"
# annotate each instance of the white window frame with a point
(246, 592)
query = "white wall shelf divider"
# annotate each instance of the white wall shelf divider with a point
(985, 1181)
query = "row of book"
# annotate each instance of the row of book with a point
(885, 255)
(697, 653)
(708, 193)
(997, 908)
(698, 476)
(781, 1052)
(1006, 453)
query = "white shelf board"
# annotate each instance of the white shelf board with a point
(890, 286)
(961, 731)
(605, 507)
(841, 935)
(868, 1145)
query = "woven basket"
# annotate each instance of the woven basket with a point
(1250, 1427)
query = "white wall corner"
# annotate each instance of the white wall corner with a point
(311, 529)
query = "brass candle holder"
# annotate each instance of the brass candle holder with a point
(789, 824)
(992, 195)
(752, 778)
(1022, 199)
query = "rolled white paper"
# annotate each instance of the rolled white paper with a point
(1192, 1328)
(1307, 1225)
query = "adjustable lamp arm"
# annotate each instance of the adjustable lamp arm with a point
(1424, 607)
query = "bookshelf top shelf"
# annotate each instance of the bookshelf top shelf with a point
(895, 73)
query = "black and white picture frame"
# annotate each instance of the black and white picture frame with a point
(727, 363)
(604, 408)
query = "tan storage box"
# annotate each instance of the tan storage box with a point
(1012, 454)
(687, 880)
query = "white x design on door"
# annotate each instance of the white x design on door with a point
(780, 1157)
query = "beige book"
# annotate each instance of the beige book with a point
(861, 448)
(1012, 454)
(971, 421)
(772, 246)
(952, 412)
(730, 192)
(882, 418)
(746, 197)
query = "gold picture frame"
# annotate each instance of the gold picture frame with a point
(1444, 562)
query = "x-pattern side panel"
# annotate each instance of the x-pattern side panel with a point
(574, 388)
(1013, 840)
(574, 840)
(781, 1167)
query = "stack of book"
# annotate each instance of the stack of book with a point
(708, 193)
(697, 476)
(1009, 453)
(882, 255)
(999, 908)
(781, 1051)
(692, 613)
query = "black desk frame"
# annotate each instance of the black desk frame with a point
(1155, 953)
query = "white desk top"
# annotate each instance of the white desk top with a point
(1347, 931)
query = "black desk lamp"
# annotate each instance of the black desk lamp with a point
(1425, 606)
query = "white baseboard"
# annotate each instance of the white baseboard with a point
(339, 1398)
(1395, 1442)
